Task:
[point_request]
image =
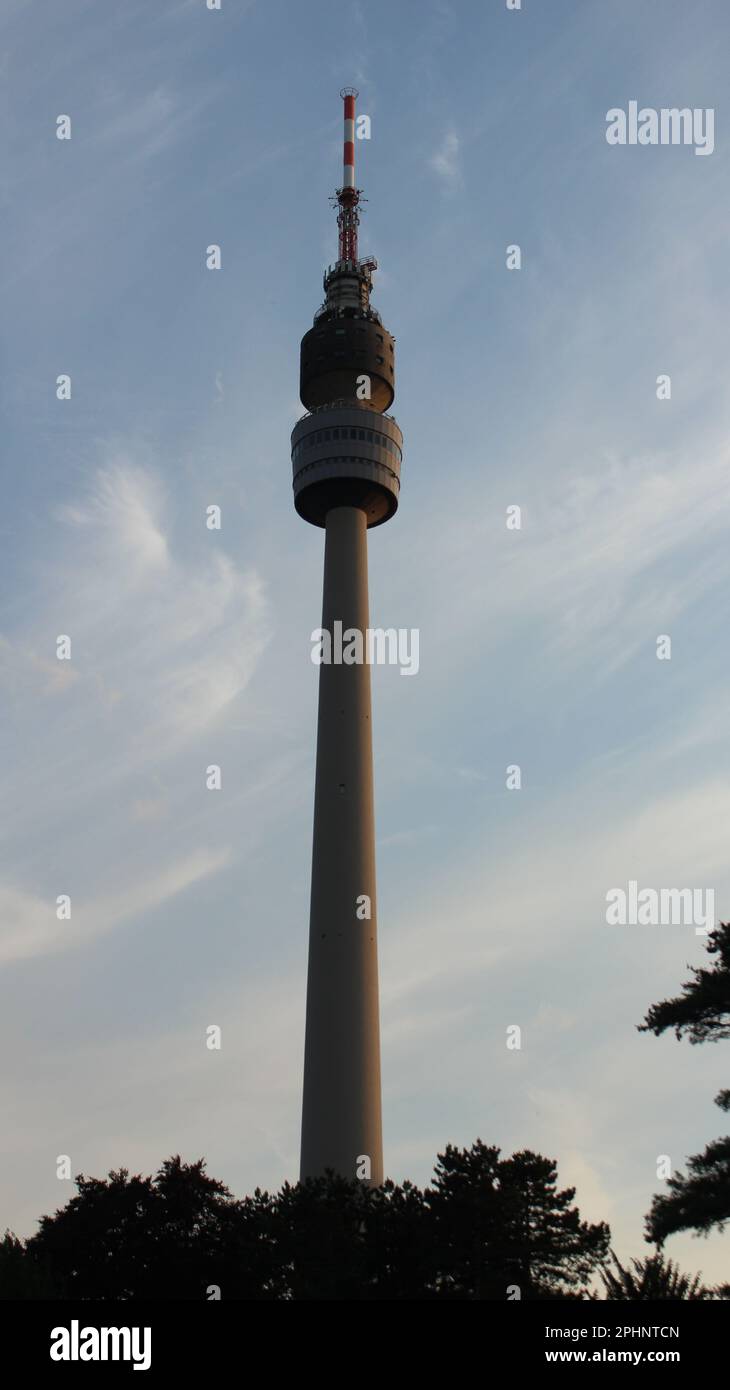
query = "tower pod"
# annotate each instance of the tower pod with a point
(346, 456)
(347, 344)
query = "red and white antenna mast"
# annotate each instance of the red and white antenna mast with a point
(348, 196)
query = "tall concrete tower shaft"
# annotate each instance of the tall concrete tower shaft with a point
(346, 456)
(341, 1107)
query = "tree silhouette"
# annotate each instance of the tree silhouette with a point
(501, 1224)
(487, 1228)
(21, 1277)
(699, 1201)
(651, 1278)
(702, 1011)
(401, 1249)
(142, 1237)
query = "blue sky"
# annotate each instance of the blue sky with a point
(191, 647)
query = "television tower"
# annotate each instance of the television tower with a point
(346, 457)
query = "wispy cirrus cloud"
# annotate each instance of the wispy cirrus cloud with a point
(194, 629)
(165, 636)
(29, 925)
(446, 161)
